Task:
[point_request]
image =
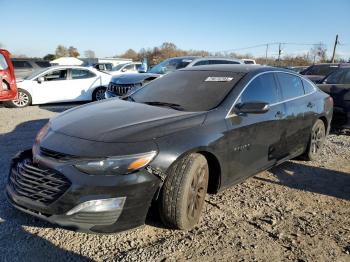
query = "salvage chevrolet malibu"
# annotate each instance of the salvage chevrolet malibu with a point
(98, 167)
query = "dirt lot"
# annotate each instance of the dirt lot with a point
(298, 211)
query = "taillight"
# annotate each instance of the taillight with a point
(331, 100)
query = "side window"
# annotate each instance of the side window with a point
(81, 74)
(3, 63)
(129, 67)
(346, 79)
(290, 85)
(308, 87)
(335, 77)
(138, 66)
(56, 75)
(262, 89)
(221, 62)
(43, 64)
(203, 62)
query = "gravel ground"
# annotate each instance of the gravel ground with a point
(298, 211)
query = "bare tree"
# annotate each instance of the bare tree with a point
(61, 51)
(89, 54)
(319, 53)
(73, 52)
(130, 54)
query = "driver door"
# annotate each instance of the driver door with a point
(50, 89)
(254, 140)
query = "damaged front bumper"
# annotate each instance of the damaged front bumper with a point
(61, 194)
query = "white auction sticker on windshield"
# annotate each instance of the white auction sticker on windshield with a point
(218, 79)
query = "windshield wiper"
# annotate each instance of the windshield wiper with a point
(171, 105)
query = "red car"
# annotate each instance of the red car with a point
(8, 88)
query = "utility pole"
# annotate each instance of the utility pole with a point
(335, 47)
(279, 53)
(267, 48)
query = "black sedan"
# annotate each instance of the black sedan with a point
(337, 85)
(98, 167)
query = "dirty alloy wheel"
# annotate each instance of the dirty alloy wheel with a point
(184, 191)
(24, 99)
(99, 94)
(317, 138)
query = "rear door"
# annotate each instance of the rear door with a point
(80, 85)
(254, 139)
(296, 125)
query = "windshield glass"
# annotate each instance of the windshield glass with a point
(189, 90)
(118, 67)
(170, 65)
(35, 73)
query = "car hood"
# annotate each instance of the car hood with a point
(133, 78)
(115, 120)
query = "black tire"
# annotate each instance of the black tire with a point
(317, 138)
(24, 99)
(99, 93)
(184, 192)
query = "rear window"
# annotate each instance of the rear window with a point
(290, 85)
(191, 90)
(43, 64)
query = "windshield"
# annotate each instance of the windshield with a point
(118, 67)
(189, 90)
(170, 65)
(35, 73)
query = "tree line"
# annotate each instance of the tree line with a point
(316, 54)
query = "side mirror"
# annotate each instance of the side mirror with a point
(252, 108)
(40, 79)
(124, 70)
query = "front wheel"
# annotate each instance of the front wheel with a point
(184, 192)
(24, 99)
(317, 138)
(99, 94)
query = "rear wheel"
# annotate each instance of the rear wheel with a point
(99, 94)
(184, 192)
(317, 138)
(24, 99)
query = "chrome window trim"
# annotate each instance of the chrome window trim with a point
(229, 114)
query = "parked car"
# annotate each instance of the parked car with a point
(337, 85)
(133, 67)
(98, 167)
(25, 67)
(319, 71)
(121, 85)
(8, 88)
(103, 66)
(249, 61)
(61, 84)
(297, 69)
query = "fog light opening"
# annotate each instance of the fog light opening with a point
(99, 205)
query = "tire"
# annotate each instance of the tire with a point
(24, 99)
(317, 138)
(99, 94)
(184, 191)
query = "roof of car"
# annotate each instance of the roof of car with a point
(239, 68)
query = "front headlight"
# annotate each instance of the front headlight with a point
(116, 165)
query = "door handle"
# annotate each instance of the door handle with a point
(279, 114)
(310, 105)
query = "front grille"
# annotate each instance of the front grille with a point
(121, 89)
(55, 155)
(36, 183)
